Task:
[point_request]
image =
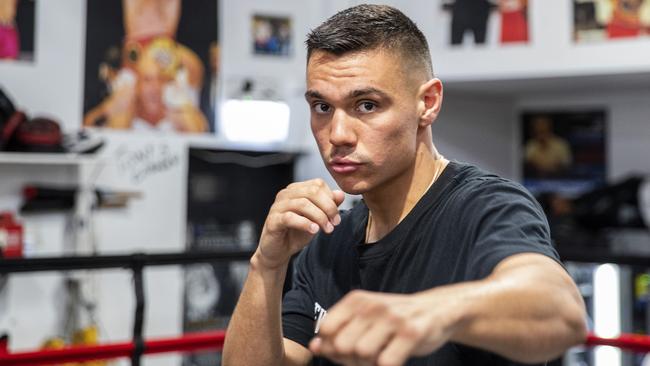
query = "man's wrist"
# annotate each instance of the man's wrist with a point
(261, 264)
(459, 303)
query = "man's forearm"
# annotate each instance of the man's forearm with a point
(527, 314)
(254, 335)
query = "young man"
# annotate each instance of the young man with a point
(442, 264)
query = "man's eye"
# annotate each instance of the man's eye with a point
(366, 107)
(321, 108)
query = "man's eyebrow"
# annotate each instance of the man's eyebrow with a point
(312, 94)
(361, 92)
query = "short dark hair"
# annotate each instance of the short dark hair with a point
(368, 27)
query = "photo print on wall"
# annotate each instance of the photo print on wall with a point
(473, 21)
(271, 35)
(152, 66)
(17, 30)
(563, 151)
(598, 20)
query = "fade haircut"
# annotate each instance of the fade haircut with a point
(369, 27)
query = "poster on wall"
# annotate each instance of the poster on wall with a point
(598, 20)
(151, 65)
(17, 30)
(271, 35)
(486, 22)
(563, 152)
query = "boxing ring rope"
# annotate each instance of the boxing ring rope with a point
(628, 342)
(214, 341)
(187, 343)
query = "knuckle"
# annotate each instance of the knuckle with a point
(363, 351)
(356, 295)
(376, 308)
(281, 194)
(342, 347)
(411, 331)
(285, 217)
(303, 202)
(313, 190)
(394, 316)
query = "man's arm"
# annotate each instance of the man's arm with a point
(528, 310)
(254, 335)
(255, 330)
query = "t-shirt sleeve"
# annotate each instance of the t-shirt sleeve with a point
(506, 220)
(298, 304)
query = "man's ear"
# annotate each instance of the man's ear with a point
(430, 101)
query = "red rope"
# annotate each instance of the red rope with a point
(214, 341)
(186, 343)
(629, 342)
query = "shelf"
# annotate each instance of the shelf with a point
(45, 158)
(516, 87)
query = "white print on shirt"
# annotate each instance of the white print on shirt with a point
(319, 315)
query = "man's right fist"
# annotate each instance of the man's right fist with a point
(297, 214)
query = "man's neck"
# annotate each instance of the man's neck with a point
(390, 203)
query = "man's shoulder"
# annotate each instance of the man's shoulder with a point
(472, 181)
(466, 174)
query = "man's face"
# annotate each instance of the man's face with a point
(364, 117)
(150, 88)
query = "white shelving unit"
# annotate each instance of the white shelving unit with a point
(45, 158)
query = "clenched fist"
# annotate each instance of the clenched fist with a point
(299, 211)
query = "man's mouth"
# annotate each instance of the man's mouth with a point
(344, 165)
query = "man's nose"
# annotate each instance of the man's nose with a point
(342, 129)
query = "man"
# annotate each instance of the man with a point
(159, 84)
(547, 154)
(152, 101)
(442, 264)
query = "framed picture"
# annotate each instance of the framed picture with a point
(17, 30)
(473, 21)
(151, 65)
(597, 20)
(563, 151)
(271, 35)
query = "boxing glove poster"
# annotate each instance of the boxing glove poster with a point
(17, 30)
(151, 65)
(598, 20)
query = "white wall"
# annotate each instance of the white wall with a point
(478, 130)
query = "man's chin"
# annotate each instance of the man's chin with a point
(349, 186)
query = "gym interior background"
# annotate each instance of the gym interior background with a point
(156, 192)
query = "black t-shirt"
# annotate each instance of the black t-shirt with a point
(464, 225)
